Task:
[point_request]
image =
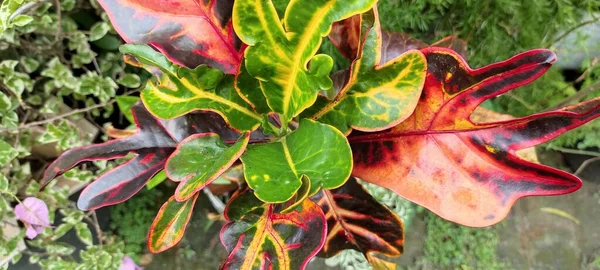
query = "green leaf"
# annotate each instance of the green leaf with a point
(5, 102)
(130, 80)
(183, 90)
(156, 180)
(3, 182)
(29, 64)
(316, 150)
(61, 230)
(380, 93)
(280, 51)
(199, 160)
(84, 233)
(125, 104)
(22, 20)
(98, 31)
(169, 225)
(7, 153)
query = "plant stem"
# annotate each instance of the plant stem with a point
(574, 98)
(585, 164)
(575, 151)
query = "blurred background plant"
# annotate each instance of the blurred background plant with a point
(61, 76)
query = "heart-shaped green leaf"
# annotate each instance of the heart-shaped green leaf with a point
(316, 150)
(378, 94)
(181, 90)
(199, 160)
(259, 236)
(280, 50)
(169, 225)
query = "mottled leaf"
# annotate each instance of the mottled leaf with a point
(152, 144)
(258, 236)
(190, 33)
(469, 172)
(169, 224)
(182, 90)
(378, 94)
(274, 170)
(199, 160)
(355, 220)
(280, 51)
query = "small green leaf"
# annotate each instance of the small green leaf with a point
(199, 160)
(29, 64)
(22, 20)
(130, 80)
(61, 230)
(125, 104)
(3, 182)
(5, 103)
(98, 31)
(7, 153)
(156, 180)
(84, 233)
(319, 151)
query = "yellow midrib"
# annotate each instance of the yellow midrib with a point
(199, 93)
(164, 233)
(254, 245)
(296, 64)
(288, 156)
(369, 92)
(265, 25)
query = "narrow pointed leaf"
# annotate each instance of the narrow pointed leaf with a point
(190, 33)
(152, 144)
(199, 160)
(355, 220)
(169, 224)
(182, 90)
(258, 236)
(279, 51)
(274, 170)
(378, 94)
(469, 172)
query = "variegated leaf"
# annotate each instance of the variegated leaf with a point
(281, 52)
(181, 90)
(190, 33)
(259, 236)
(378, 94)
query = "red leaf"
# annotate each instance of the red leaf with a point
(468, 172)
(154, 141)
(355, 220)
(190, 33)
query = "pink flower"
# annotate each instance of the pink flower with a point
(33, 212)
(128, 264)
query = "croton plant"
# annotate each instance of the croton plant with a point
(240, 91)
